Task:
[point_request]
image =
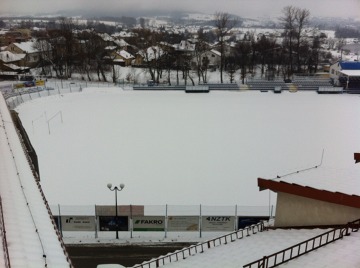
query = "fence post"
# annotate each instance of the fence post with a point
(166, 219)
(264, 262)
(96, 224)
(236, 225)
(200, 223)
(59, 221)
(131, 222)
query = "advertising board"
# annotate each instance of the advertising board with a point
(78, 223)
(244, 221)
(218, 223)
(183, 223)
(111, 223)
(150, 223)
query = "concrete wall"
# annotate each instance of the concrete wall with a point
(292, 210)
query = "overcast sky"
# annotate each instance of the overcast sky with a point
(245, 8)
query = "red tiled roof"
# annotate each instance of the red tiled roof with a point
(309, 192)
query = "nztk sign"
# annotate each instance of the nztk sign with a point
(151, 223)
(218, 223)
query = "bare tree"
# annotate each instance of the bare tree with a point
(231, 67)
(302, 19)
(149, 44)
(294, 21)
(243, 51)
(45, 51)
(202, 61)
(224, 25)
(288, 22)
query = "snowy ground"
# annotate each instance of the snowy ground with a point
(178, 148)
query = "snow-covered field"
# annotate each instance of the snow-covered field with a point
(177, 148)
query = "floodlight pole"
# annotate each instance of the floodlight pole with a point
(116, 189)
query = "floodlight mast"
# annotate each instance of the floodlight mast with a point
(116, 189)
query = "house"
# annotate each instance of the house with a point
(122, 44)
(316, 197)
(152, 53)
(16, 36)
(8, 57)
(32, 54)
(123, 58)
(185, 46)
(11, 62)
(214, 58)
(346, 74)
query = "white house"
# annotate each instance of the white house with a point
(346, 74)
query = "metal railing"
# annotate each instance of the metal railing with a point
(44, 199)
(305, 247)
(3, 235)
(201, 247)
(37, 180)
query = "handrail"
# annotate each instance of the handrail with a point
(3, 234)
(201, 247)
(304, 247)
(37, 181)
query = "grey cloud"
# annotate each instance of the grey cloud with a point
(247, 8)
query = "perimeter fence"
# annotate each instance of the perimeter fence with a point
(101, 219)
(17, 93)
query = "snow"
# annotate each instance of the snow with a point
(156, 142)
(210, 148)
(342, 253)
(125, 54)
(27, 47)
(7, 56)
(29, 232)
(247, 249)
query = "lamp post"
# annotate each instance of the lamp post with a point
(116, 189)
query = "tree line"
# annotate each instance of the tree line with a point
(66, 50)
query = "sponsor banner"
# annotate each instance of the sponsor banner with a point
(150, 223)
(183, 223)
(113, 223)
(30, 84)
(218, 223)
(122, 210)
(245, 221)
(78, 223)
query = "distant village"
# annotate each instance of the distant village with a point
(96, 50)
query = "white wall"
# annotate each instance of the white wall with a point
(292, 210)
(334, 72)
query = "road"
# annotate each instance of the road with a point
(89, 256)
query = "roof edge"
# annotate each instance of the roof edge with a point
(309, 192)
